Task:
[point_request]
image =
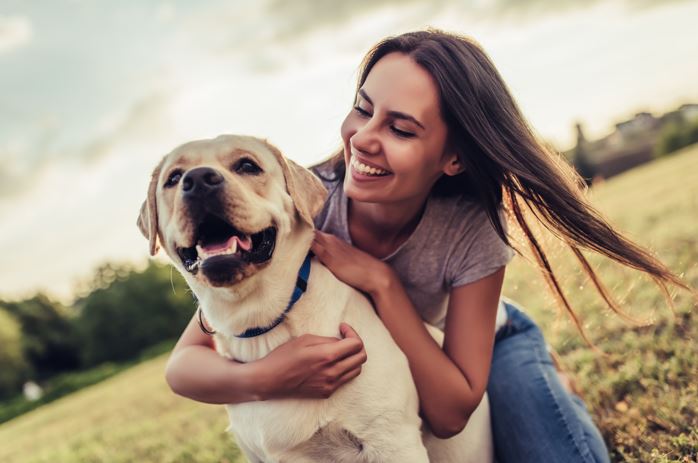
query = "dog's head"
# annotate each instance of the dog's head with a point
(219, 206)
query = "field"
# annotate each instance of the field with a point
(643, 391)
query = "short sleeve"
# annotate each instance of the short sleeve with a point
(478, 251)
(331, 186)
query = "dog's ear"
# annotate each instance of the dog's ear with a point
(306, 190)
(148, 218)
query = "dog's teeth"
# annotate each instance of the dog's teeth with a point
(218, 250)
(233, 247)
(245, 243)
(192, 265)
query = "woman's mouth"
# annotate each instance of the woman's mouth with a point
(366, 170)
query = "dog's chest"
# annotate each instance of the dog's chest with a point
(254, 348)
(266, 431)
(275, 426)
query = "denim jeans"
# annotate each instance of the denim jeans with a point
(534, 419)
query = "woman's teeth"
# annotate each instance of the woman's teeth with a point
(367, 170)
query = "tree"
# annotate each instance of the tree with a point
(14, 368)
(49, 341)
(676, 135)
(580, 157)
(130, 310)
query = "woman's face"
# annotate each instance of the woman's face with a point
(394, 137)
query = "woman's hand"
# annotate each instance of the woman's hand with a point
(313, 366)
(351, 265)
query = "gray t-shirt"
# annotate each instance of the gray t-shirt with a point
(454, 244)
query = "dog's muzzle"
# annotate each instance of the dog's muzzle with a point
(219, 249)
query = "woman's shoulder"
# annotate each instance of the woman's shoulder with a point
(474, 248)
(458, 212)
(329, 216)
(465, 223)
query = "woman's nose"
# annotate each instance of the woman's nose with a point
(366, 139)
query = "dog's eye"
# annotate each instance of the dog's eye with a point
(246, 166)
(173, 179)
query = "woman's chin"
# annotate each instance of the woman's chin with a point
(360, 192)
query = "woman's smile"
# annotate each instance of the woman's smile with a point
(363, 170)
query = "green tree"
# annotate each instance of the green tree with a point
(676, 135)
(49, 340)
(128, 311)
(14, 368)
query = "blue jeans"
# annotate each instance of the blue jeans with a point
(534, 419)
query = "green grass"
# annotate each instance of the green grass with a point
(643, 393)
(67, 383)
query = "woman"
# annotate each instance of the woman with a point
(432, 148)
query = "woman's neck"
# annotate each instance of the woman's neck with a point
(380, 228)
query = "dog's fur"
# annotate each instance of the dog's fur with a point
(372, 418)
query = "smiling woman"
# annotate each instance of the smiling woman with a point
(435, 152)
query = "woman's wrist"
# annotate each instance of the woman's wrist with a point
(382, 281)
(259, 382)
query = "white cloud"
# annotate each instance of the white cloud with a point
(15, 31)
(165, 13)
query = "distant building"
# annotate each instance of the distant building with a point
(631, 144)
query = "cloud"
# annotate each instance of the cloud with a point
(24, 164)
(300, 17)
(144, 119)
(297, 18)
(15, 31)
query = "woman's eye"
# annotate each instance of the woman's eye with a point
(361, 111)
(246, 166)
(401, 133)
(173, 179)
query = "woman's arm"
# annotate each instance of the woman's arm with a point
(195, 370)
(307, 366)
(452, 381)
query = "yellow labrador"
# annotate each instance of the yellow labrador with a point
(235, 217)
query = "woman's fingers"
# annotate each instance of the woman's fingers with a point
(347, 331)
(348, 376)
(319, 251)
(352, 362)
(338, 350)
(313, 339)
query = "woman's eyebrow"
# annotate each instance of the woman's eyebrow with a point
(394, 114)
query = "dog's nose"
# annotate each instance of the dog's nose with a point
(200, 182)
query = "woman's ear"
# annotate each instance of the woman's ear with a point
(453, 166)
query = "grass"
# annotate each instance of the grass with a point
(67, 383)
(643, 393)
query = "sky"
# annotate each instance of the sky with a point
(93, 93)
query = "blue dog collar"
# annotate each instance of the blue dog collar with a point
(301, 286)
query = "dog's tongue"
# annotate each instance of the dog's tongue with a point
(229, 246)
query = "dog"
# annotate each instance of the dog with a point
(236, 219)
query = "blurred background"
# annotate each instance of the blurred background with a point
(94, 93)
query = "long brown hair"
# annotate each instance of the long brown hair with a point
(505, 162)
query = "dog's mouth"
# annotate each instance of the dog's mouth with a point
(218, 241)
